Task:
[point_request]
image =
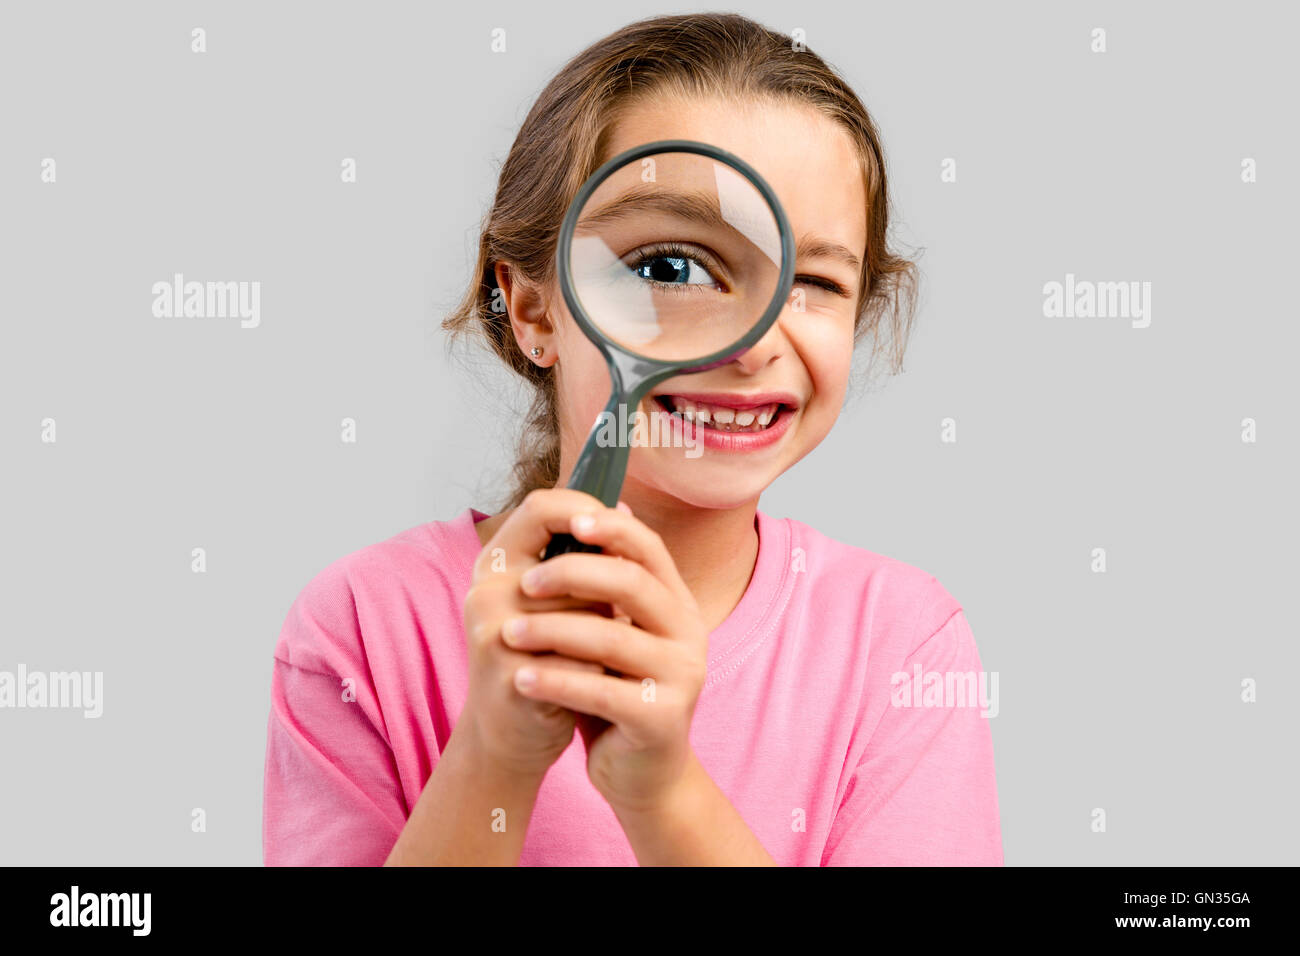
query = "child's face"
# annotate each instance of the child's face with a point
(812, 165)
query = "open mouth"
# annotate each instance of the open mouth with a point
(723, 418)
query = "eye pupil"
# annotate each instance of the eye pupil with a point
(666, 269)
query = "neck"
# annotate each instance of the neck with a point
(715, 549)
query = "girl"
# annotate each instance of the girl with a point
(731, 677)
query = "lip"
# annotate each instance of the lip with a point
(716, 440)
(736, 400)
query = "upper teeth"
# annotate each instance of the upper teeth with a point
(723, 414)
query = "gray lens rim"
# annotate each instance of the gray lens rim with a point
(611, 349)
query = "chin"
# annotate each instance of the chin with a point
(699, 498)
(715, 489)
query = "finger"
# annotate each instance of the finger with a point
(564, 602)
(619, 533)
(489, 595)
(559, 663)
(616, 699)
(543, 514)
(603, 577)
(568, 663)
(587, 637)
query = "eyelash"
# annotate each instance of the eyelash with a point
(671, 250)
(833, 287)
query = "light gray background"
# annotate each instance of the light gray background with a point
(1118, 690)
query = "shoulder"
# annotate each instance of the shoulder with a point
(893, 597)
(361, 593)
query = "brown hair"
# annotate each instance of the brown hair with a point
(562, 142)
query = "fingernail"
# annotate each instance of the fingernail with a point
(532, 579)
(525, 678)
(622, 506)
(513, 628)
(582, 524)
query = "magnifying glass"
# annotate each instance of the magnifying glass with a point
(675, 257)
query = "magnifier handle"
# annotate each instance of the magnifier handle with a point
(565, 543)
(600, 467)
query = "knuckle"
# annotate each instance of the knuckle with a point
(699, 674)
(473, 609)
(629, 574)
(695, 669)
(477, 603)
(473, 599)
(484, 632)
(637, 581)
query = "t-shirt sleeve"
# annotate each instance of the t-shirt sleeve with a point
(924, 792)
(331, 792)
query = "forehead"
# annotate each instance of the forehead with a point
(809, 160)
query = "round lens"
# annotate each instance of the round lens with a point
(675, 256)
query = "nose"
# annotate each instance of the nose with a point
(766, 350)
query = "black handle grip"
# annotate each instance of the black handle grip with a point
(564, 543)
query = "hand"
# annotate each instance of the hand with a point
(514, 732)
(637, 731)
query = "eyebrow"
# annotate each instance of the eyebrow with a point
(815, 247)
(693, 206)
(702, 208)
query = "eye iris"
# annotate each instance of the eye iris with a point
(670, 269)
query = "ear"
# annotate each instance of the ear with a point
(529, 313)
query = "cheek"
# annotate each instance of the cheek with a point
(833, 378)
(584, 381)
(824, 342)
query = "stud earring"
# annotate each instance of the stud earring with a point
(536, 352)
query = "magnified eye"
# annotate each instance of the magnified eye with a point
(674, 270)
(673, 266)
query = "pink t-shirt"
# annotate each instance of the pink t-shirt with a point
(798, 722)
